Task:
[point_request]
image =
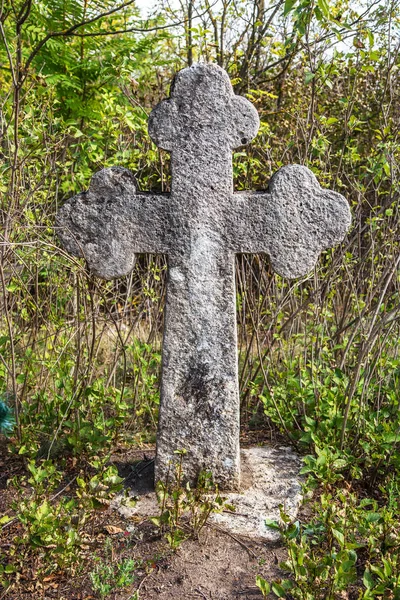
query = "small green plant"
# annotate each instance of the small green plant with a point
(100, 488)
(51, 525)
(184, 510)
(109, 577)
(348, 542)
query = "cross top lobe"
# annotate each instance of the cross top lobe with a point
(203, 111)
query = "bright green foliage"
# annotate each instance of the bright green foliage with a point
(52, 526)
(346, 536)
(310, 400)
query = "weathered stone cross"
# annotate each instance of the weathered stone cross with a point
(200, 226)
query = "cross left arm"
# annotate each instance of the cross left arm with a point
(110, 222)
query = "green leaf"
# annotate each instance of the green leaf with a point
(347, 565)
(368, 580)
(10, 569)
(293, 530)
(278, 590)
(387, 567)
(378, 571)
(263, 585)
(309, 77)
(339, 463)
(338, 535)
(4, 519)
(272, 524)
(324, 8)
(289, 4)
(373, 517)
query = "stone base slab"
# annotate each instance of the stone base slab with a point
(270, 478)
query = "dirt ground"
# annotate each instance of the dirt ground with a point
(218, 566)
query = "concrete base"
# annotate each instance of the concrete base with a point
(270, 478)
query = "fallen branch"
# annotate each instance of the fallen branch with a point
(249, 550)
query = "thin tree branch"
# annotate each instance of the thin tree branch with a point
(10, 62)
(128, 30)
(24, 13)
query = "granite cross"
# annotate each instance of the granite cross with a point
(200, 226)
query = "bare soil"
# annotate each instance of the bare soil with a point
(218, 566)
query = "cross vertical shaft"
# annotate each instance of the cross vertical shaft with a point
(199, 408)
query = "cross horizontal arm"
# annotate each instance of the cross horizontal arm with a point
(292, 222)
(110, 222)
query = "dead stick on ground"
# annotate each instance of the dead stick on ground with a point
(6, 592)
(235, 514)
(249, 550)
(145, 579)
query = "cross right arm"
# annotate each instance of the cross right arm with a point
(292, 222)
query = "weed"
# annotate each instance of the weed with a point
(52, 525)
(349, 542)
(184, 510)
(109, 577)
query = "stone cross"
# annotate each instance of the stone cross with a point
(201, 225)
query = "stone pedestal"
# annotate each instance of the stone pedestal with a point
(270, 478)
